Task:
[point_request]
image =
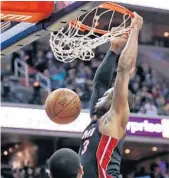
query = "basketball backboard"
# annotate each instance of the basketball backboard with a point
(17, 35)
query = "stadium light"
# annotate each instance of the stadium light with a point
(5, 153)
(166, 34)
(127, 151)
(10, 150)
(154, 148)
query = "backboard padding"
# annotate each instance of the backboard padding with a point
(13, 42)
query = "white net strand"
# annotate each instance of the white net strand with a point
(4, 25)
(68, 44)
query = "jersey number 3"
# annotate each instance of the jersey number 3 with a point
(85, 145)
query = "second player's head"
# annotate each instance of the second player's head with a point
(104, 103)
(65, 163)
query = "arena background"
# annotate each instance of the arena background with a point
(28, 137)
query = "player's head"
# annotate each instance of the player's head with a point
(104, 103)
(65, 163)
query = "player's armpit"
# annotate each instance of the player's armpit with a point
(114, 122)
(110, 126)
(114, 125)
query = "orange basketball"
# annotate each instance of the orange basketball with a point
(63, 106)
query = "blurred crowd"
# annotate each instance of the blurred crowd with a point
(156, 169)
(25, 172)
(152, 92)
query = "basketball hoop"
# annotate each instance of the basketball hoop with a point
(4, 25)
(78, 40)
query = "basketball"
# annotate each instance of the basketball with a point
(63, 106)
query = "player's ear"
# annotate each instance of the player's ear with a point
(80, 172)
(50, 175)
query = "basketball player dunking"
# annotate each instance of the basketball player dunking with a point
(102, 140)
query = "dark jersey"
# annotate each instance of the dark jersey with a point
(100, 155)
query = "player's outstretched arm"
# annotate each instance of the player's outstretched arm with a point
(114, 122)
(104, 75)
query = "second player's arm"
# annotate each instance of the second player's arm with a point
(103, 78)
(114, 122)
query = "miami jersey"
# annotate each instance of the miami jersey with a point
(100, 155)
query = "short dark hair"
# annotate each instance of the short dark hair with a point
(64, 163)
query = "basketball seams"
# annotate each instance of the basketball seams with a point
(66, 117)
(55, 102)
(65, 106)
(61, 117)
(69, 107)
(67, 122)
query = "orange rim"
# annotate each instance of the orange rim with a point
(106, 5)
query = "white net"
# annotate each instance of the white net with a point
(4, 25)
(69, 43)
